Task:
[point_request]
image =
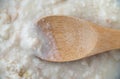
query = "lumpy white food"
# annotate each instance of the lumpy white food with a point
(21, 41)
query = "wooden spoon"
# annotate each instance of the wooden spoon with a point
(67, 38)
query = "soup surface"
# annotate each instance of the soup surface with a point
(21, 40)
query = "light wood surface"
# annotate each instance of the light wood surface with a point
(70, 38)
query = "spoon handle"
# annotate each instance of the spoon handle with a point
(108, 39)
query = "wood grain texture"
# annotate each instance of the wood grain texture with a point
(73, 38)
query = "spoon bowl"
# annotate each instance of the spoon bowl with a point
(68, 38)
